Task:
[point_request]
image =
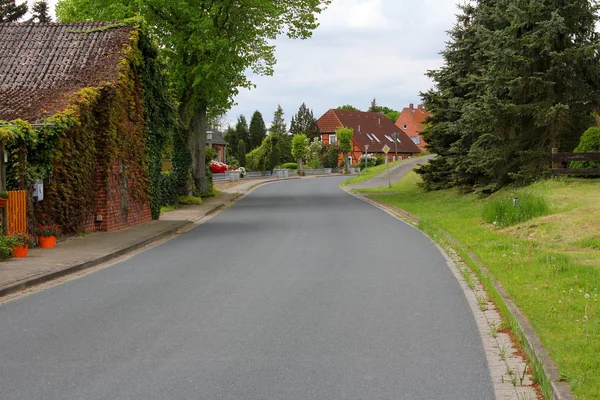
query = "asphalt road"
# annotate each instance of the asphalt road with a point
(300, 291)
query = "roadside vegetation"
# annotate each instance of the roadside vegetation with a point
(370, 173)
(546, 255)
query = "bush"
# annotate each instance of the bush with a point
(190, 200)
(6, 244)
(290, 165)
(589, 143)
(502, 212)
(330, 155)
(379, 160)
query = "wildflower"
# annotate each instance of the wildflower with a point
(587, 296)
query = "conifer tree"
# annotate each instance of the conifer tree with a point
(10, 11)
(258, 130)
(41, 12)
(305, 122)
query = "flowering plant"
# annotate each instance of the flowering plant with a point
(48, 230)
(242, 171)
(217, 167)
(22, 239)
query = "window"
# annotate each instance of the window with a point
(332, 139)
(376, 138)
(404, 126)
(416, 139)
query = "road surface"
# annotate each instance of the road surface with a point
(300, 291)
(397, 172)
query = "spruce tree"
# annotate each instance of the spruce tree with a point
(374, 107)
(258, 130)
(278, 126)
(41, 12)
(305, 122)
(10, 11)
(232, 139)
(241, 154)
(241, 131)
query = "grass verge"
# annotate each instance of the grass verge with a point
(549, 264)
(370, 173)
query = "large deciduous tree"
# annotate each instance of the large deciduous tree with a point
(305, 122)
(211, 44)
(520, 78)
(11, 12)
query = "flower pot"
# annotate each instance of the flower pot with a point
(3, 202)
(47, 242)
(20, 251)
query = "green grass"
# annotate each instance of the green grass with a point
(190, 200)
(510, 210)
(547, 264)
(370, 173)
(166, 209)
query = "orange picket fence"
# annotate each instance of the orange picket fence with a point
(16, 211)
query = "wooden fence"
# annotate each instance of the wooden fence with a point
(561, 163)
(16, 211)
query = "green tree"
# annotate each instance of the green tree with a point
(305, 122)
(241, 153)
(241, 131)
(299, 150)
(519, 79)
(41, 12)
(278, 126)
(374, 107)
(348, 107)
(589, 143)
(11, 12)
(258, 130)
(344, 137)
(211, 45)
(232, 139)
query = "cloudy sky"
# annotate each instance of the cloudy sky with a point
(364, 49)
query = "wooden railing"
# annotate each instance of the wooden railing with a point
(561, 163)
(16, 211)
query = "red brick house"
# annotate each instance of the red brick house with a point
(412, 121)
(79, 86)
(219, 144)
(372, 129)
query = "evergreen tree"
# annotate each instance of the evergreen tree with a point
(278, 125)
(374, 107)
(242, 132)
(241, 154)
(258, 130)
(520, 78)
(10, 11)
(305, 122)
(232, 139)
(41, 12)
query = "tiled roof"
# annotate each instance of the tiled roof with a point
(217, 139)
(41, 65)
(418, 114)
(370, 128)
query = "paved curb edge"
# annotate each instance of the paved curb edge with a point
(560, 390)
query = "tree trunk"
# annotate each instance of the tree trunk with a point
(198, 147)
(347, 163)
(300, 167)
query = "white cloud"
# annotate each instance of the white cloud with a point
(362, 14)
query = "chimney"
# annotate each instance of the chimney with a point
(412, 106)
(421, 108)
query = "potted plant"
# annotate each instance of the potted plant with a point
(47, 235)
(21, 242)
(3, 199)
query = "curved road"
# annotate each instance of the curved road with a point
(299, 291)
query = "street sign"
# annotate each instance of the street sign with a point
(386, 149)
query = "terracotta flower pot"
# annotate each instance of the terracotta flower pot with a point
(47, 242)
(20, 251)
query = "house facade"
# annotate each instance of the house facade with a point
(412, 121)
(216, 141)
(372, 132)
(79, 86)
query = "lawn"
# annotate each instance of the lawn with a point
(550, 264)
(370, 173)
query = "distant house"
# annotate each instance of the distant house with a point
(370, 129)
(216, 141)
(79, 85)
(412, 121)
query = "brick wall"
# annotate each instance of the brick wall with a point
(115, 203)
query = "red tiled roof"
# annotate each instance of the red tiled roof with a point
(41, 65)
(370, 128)
(418, 114)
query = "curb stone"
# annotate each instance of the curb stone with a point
(560, 390)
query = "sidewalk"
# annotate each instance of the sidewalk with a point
(81, 252)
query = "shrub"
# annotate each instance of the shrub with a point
(6, 244)
(48, 230)
(190, 200)
(330, 155)
(290, 165)
(3, 195)
(502, 212)
(589, 143)
(379, 160)
(22, 239)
